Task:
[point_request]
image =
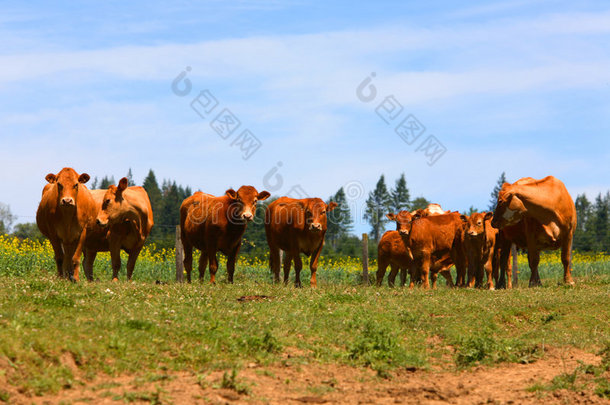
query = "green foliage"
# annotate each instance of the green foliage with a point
(400, 195)
(494, 194)
(339, 220)
(28, 231)
(419, 203)
(378, 205)
(230, 382)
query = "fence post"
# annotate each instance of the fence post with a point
(365, 259)
(513, 250)
(179, 257)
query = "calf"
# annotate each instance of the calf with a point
(213, 224)
(479, 246)
(124, 221)
(393, 250)
(296, 226)
(64, 213)
(431, 239)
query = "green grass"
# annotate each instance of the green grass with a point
(149, 329)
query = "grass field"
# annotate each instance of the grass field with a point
(147, 329)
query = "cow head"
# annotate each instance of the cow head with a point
(111, 204)
(315, 213)
(509, 210)
(404, 221)
(243, 203)
(68, 184)
(475, 223)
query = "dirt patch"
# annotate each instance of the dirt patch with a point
(298, 382)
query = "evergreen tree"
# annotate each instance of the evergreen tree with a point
(378, 205)
(494, 194)
(107, 182)
(400, 195)
(600, 225)
(419, 203)
(170, 212)
(339, 220)
(583, 239)
(154, 193)
(129, 176)
(93, 185)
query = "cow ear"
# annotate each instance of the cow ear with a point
(464, 218)
(231, 193)
(51, 178)
(391, 216)
(516, 204)
(123, 183)
(488, 215)
(83, 178)
(263, 195)
(331, 206)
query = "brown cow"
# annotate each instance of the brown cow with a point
(296, 226)
(479, 245)
(124, 220)
(393, 251)
(64, 213)
(536, 215)
(211, 223)
(430, 239)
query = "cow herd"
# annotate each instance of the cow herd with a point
(534, 215)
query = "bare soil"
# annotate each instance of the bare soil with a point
(297, 382)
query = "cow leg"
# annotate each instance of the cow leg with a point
(313, 265)
(533, 257)
(424, 269)
(274, 263)
(213, 265)
(472, 270)
(413, 274)
(382, 265)
(403, 276)
(203, 263)
(188, 259)
(506, 276)
(231, 264)
(447, 275)
(78, 252)
(59, 255)
(131, 261)
(298, 266)
(287, 263)
(566, 260)
(115, 259)
(392, 276)
(489, 272)
(88, 263)
(71, 262)
(434, 276)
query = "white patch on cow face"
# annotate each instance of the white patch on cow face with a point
(508, 214)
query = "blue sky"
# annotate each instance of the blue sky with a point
(515, 86)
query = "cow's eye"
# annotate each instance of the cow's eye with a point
(479, 223)
(76, 186)
(107, 201)
(60, 185)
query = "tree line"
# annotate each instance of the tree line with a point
(592, 233)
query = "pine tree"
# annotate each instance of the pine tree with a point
(600, 225)
(93, 185)
(339, 220)
(400, 195)
(106, 182)
(419, 203)
(494, 194)
(6, 218)
(583, 240)
(378, 205)
(129, 176)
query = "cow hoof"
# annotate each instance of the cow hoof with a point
(115, 280)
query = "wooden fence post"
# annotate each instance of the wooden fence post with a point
(179, 257)
(365, 259)
(513, 249)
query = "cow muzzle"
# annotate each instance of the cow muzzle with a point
(67, 202)
(247, 216)
(315, 227)
(403, 232)
(101, 223)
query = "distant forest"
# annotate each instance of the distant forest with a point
(592, 233)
